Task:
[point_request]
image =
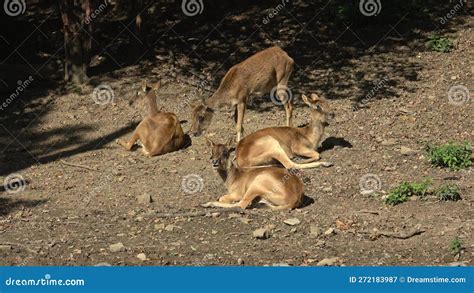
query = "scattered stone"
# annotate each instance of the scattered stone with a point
(159, 226)
(328, 261)
(141, 256)
(388, 142)
(327, 189)
(341, 225)
(103, 264)
(170, 228)
(262, 233)
(240, 261)
(406, 151)
(314, 231)
(280, 264)
(144, 198)
(5, 248)
(292, 222)
(117, 247)
(459, 263)
(330, 231)
(215, 215)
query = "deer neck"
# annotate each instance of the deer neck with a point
(315, 131)
(152, 106)
(228, 174)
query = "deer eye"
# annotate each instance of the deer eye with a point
(318, 107)
(201, 118)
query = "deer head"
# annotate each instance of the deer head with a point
(201, 118)
(146, 88)
(320, 109)
(220, 154)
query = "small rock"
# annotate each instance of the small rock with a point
(159, 226)
(5, 248)
(406, 151)
(117, 247)
(330, 231)
(328, 261)
(292, 222)
(103, 264)
(388, 142)
(280, 264)
(327, 189)
(240, 261)
(144, 198)
(314, 231)
(262, 233)
(141, 256)
(215, 215)
(170, 228)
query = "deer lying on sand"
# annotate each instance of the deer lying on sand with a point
(276, 187)
(283, 143)
(159, 133)
(262, 73)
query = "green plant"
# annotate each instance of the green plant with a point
(402, 192)
(448, 192)
(440, 44)
(452, 155)
(455, 246)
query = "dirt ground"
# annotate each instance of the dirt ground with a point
(70, 215)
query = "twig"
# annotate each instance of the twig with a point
(78, 166)
(402, 235)
(199, 213)
(368, 212)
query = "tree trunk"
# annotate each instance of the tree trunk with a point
(77, 26)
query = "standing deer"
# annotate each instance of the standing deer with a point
(159, 133)
(266, 71)
(276, 187)
(283, 143)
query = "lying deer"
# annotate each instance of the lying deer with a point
(283, 143)
(159, 132)
(260, 74)
(276, 187)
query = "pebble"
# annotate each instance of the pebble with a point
(330, 231)
(292, 222)
(117, 247)
(328, 261)
(159, 226)
(262, 233)
(144, 198)
(240, 261)
(141, 256)
(388, 142)
(406, 151)
(103, 264)
(170, 228)
(314, 231)
(5, 247)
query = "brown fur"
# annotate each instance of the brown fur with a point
(257, 75)
(159, 133)
(283, 143)
(276, 187)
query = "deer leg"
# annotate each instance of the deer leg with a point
(307, 152)
(285, 95)
(283, 158)
(240, 119)
(128, 145)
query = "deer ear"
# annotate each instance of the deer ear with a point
(144, 85)
(315, 97)
(230, 143)
(209, 142)
(157, 85)
(306, 100)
